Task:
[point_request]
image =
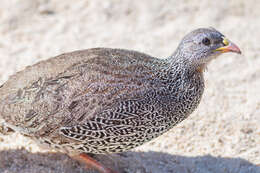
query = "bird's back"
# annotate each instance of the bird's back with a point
(99, 100)
(70, 88)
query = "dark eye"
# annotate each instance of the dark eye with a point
(206, 41)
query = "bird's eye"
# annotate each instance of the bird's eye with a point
(206, 41)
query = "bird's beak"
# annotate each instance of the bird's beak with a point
(229, 47)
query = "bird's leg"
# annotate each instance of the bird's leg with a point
(92, 163)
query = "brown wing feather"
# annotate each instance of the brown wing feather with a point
(70, 88)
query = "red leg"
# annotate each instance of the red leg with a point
(91, 163)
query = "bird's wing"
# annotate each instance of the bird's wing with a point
(70, 88)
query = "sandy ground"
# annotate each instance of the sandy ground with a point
(221, 136)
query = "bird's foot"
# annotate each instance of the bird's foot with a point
(91, 163)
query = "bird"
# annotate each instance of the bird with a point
(107, 100)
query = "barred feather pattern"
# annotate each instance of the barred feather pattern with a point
(106, 101)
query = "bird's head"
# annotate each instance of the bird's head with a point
(202, 45)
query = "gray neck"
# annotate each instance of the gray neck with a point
(180, 62)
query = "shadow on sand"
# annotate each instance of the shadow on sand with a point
(22, 161)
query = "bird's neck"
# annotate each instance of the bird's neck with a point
(179, 60)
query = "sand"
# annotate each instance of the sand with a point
(221, 136)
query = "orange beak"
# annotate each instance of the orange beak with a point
(229, 47)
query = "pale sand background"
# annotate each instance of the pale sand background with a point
(222, 136)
